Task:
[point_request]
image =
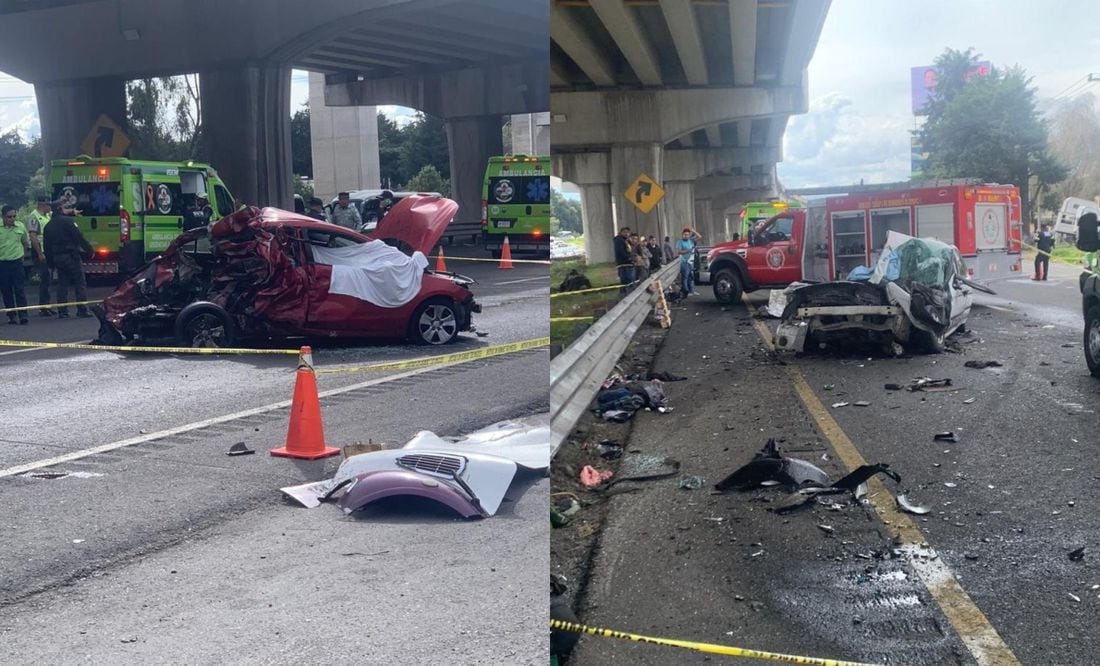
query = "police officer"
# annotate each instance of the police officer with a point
(36, 225)
(317, 209)
(13, 244)
(345, 214)
(65, 246)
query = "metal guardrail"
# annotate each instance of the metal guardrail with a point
(462, 231)
(578, 371)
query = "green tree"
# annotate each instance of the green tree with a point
(425, 142)
(301, 142)
(390, 140)
(1075, 141)
(428, 179)
(987, 127)
(567, 213)
(164, 117)
(18, 163)
(303, 189)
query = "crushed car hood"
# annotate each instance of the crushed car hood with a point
(417, 221)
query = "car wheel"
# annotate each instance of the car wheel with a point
(434, 323)
(727, 286)
(204, 325)
(1092, 340)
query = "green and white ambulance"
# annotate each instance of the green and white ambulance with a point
(515, 202)
(130, 210)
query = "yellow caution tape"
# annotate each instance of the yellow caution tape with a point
(162, 350)
(708, 648)
(544, 262)
(49, 306)
(1057, 260)
(589, 291)
(445, 359)
(553, 319)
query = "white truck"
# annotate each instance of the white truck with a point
(1065, 223)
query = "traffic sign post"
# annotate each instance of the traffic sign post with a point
(106, 139)
(644, 193)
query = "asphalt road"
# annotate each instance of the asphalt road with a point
(1009, 501)
(168, 551)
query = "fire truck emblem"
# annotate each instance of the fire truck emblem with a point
(989, 226)
(775, 258)
(504, 191)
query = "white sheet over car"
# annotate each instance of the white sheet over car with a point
(373, 272)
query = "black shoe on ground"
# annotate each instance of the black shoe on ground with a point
(12, 320)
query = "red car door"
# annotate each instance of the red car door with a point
(775, 255)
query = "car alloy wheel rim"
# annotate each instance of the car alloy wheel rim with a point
(723, 287)
(206, 331)
(437, 324)
(1094, 341)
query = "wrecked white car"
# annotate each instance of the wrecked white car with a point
(469, 475)
(916, 296)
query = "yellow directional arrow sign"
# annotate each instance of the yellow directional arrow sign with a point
(106, 139)
(644, 193)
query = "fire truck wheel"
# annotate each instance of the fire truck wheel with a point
(727, 286)
(1092, 340)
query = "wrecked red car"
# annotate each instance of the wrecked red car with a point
(272, 273)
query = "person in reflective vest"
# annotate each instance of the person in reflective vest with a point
(36, 226)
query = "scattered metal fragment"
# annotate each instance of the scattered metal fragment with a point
(861, 403)
(1076, 555)
(893, 387)
(969, 401)
(945, 437)
(757, 553)
(1075, 597)
(239, 449)
(981, 365)
(770, 465)
(864, 472)
(951, 485)
(839, 404)
(827, 529)
(927, 383)
(905, 505)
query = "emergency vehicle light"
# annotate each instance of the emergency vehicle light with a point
(103, 171)
(75, 163)
(780, 205)
(536, 233)
(103, 251)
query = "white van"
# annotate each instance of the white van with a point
(1065, 224)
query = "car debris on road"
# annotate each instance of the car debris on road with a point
(470, 474)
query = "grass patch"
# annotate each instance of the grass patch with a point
(581, 305)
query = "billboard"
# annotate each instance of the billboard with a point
(923, 82)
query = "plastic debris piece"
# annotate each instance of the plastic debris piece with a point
(905, 505)
(969, 401)
(239, 449)
(1076, 555)
(945, 437)
(861, 403)
(691, 482)
(1075, 597)
(827, 529)
(951, 485)
(591, 477)
(893, 387)
(839, 404)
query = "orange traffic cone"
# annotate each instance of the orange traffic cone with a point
(506, 255)
(305, 438)
(440, 265)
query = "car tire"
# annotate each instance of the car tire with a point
(1092, 340)
(205, 325)
(435, 322)
(727, 287)
(925, 342)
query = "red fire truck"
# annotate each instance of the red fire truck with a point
(825, 241)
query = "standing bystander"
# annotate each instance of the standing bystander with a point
(14, 242)
(624, 258)
(685, 247)
(36, 226)
(1045, 242)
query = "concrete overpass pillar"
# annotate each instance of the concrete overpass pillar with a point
(703, 222)
(627, 163)
(246, 119)
(472, 141)
(677, 208)
(599, 225)
(67, 112)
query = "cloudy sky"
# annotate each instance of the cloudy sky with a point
(19, 112)
(859, 120)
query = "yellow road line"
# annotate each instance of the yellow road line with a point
(444, 359)
(708, 648)
(973, 627)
